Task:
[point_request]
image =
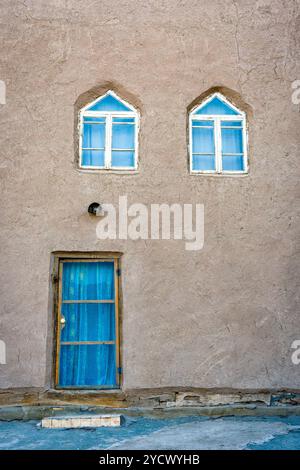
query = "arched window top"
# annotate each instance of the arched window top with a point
(108, 138)
(110, 102)
(217, 105)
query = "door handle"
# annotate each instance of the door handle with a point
(62, 322)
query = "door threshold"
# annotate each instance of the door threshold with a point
(85, 391)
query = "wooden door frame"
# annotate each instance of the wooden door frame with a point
(59, 258)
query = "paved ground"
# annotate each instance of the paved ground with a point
(148, 433)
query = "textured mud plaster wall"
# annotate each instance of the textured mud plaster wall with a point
(221, 317)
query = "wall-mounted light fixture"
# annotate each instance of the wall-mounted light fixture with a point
(96, 209)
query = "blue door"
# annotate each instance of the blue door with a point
(87, 330)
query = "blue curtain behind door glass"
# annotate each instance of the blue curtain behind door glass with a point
(88, 322)
(87, 365)
(88, 281)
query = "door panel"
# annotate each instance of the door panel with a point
(87, 329)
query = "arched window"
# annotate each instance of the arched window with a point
(108, 134)
(217, 137)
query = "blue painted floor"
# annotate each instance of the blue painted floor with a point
(189, 433)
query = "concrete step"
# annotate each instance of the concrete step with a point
(82, 421)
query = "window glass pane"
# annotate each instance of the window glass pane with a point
(123, 136)
(87, 365)
(203, 140)
(232, 163)
(216, 106)
(88, 322)
(231, 123)
(203, 162)
(196, 123)
(109, 103)
(88, 280)
(121, 119)
(122, 158)
(92, 158)
(93, 119)
(232, 141)
(93, 136)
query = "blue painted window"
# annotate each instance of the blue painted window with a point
(108, 133)
(217, 137)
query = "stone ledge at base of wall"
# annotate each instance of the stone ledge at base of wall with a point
(38, 412)
(156, 398)
(195, 398)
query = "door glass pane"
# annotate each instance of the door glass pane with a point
(87, 365)
(88, 322)
(88, 281)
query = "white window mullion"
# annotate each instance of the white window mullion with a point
(108, 139)
(136, 141)
(245, 146)
(218, 145)
(191, 143)
(81, 124)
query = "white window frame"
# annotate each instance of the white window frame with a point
(109, 115)
(216, 119)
